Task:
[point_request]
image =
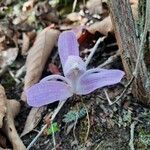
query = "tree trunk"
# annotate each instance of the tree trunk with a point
(129, 46)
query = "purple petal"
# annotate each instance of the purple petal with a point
(55, 77)
(67, 45)
(74, 65)
(47, 92)
(98, 78)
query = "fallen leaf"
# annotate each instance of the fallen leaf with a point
(38, 56)
(28, 5)
(7, 57)
(103, 26)
(97, 7)
(74, 17)
(33, 119)
(25, 44)
(86, 39)
(3, 108)
(13, 107)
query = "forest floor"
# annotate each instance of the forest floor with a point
(84, 122)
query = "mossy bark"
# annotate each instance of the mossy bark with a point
(129, 45)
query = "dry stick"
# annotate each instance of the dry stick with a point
(56, 111)
(140, 54)
(74, 5)
(20, 72)
(93, 50)
(88, 118)
(13, 76)
(74, 128)
(124, 91)
(131, 142)
(53, 136)
(107, 97)
(109, 60)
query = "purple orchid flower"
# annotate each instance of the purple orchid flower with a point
(77, 79)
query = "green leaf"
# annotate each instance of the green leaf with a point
(53, 128)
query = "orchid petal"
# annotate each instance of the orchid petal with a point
(74, 64)
(97, 78)
(47, 92)
(56, 77)
(67, 45)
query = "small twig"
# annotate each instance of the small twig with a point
(124, 91)
(88, 119)
(84, 3)
(109, 60)
(53, 136)
(74, 127)
(74, 5)
(54, 57)
(131, 142)
(20, 71)
(93, 50)
(97, 146)
(107, 96)
(13, 76)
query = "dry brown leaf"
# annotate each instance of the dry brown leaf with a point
(13, 107)
(25, 44)
(97, 7)
(74, 16)
(28, 5)
(7, 57)
(38, 56)
(3, 108)
(33, 119)
(103, 26)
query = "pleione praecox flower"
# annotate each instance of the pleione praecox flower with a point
(76, 80)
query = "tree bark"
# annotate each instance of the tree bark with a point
(129, 46)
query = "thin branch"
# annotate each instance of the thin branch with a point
(131, 142)
(124, 91)
(74, 127)
(13, 76)
(53, 136)
(93, 50)
(74, 5)
(88, 119)
(107, 97)
(109, 60)
(20, 72)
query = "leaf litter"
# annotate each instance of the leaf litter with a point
(108, 124)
